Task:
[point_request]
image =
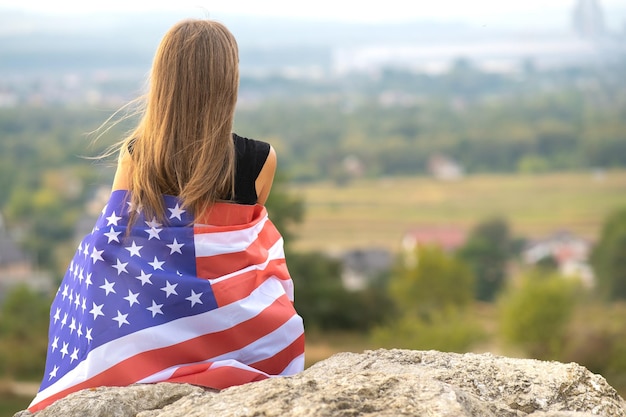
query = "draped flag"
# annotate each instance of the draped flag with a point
(206, 301)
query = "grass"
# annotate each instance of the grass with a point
(377, 212)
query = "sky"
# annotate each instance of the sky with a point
(339, 10)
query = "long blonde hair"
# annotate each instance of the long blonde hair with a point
(183, 143)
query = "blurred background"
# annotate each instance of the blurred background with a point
(451, 176)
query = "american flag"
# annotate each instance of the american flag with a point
(206, 301)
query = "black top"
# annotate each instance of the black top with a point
(250, 156)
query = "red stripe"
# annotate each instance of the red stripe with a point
(197, 349)
(211, 267)
(230, 217)
(241, 286)
(227, 376)
(277, 363)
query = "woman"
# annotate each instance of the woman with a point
(183, 278)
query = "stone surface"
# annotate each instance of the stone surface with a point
(374, 383)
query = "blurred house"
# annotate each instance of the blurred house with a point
(444, 168)
(447, 238)
(361, 267)
(570, 254)
(17, 268)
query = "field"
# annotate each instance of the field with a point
(377, 212)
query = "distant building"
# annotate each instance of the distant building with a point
(588, 19)
(569, 252)
(444, 168)
(447, 238)
(362, 266)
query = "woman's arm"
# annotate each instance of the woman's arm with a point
(263, 183)
(121, 181)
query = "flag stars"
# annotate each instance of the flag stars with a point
(144, 278)
(132, 298)
(113, 219)
(194, 298)
(73, 325)
(86, 250)
(120, 267)
(153, 232)
(96, 310)
(64, 350)
(155, 309)
(169, 289)
(55, 343)
(156, 264)
(57, 315)
(175, 247)
(88, 331)
(64, 321)
(112, 235)
(74, 355)
(53, 373)
(176, 212)
(134, 249)
(88, 280)
(108, 287)
(96, 255)
(121, 319)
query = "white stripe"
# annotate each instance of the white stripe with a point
(221, 243)
(260, 349)
(176, 331)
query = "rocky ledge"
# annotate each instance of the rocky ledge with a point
(374, 383)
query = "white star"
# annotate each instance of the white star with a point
(108, 287)
(81, 276)
(112, 235)
(86, 250)
(64, 321)
(55, 344)
(134, 249)
(73, 325)
(80, 330)
(194, 298)
(64, 349)
(153, 232)
(144, 278)
(74, 355)
(175, 247)
(153, 223)
(113, 219)
(155, 309)
(65, 293)
(88, 280)
(120, 266)
(131, 207)
(169, 289)
(77, 301)
(57, 315)
(53, 373)
(96, 310)
(121, 318)
(96, 255)
(88, 334)
(84, 305)
(156, 264)
(104, 209)
(176, 212)
(132, 298)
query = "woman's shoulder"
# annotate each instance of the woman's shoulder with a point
(245, 145)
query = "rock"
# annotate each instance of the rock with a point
(374, 383)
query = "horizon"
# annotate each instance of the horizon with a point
(525, 15)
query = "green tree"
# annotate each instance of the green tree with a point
(608, 260)
(487, 252)
(24, 319)
(535, 314)
(431, 297)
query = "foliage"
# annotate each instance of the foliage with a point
(431, 294)
(285, 209)
(322, 300)
(433, 282)
(608, 260)
(487, 251)
(450, 331)
(535, 314)
(24, 320)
